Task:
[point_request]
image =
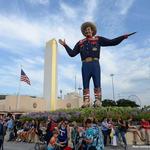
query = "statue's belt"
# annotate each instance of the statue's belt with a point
(89, 59)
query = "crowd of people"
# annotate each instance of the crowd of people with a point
(91, 134)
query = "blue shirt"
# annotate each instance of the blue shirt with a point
(63, 135)
(104, 126)
(10, 124)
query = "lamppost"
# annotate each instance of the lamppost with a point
(60, 94)
(79, 90)
(113, 91)
(75, 84)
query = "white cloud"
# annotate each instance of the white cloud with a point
(37, 60)
(20, 32)
(68, 11)
(89, 9)
(15, 28)
(43, 2)
(124, 6)
(147, 42)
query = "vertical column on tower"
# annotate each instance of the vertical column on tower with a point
(50, 74)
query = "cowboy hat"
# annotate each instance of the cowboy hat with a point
(88, 24)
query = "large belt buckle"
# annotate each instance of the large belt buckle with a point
(88, 59)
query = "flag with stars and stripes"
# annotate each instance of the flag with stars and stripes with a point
(24, 77)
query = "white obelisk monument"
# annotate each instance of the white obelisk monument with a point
(50, 74)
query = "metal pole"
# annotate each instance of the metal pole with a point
(75, 86)
(18, 92)
(61, 94)
(113, 91)
(79, 90)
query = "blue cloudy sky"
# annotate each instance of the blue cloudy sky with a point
(26, 25)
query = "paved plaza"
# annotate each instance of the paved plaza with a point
(30, 146)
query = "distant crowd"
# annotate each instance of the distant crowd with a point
(64, 135)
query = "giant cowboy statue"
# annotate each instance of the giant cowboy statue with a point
(89, 49)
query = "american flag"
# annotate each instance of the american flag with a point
(24, 77)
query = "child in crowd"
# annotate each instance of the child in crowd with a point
(53, 141)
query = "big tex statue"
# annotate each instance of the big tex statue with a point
(89, 49)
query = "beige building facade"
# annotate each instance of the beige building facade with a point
(27, 104)
(71, 100)
(37, 104)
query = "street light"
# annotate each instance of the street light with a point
(60, 94)
(79, 90)
(113, 91)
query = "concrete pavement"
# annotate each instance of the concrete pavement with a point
(30, 146)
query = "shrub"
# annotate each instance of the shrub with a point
(80, 114)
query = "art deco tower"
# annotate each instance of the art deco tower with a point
(50, 74)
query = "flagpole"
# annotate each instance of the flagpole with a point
(18, 92)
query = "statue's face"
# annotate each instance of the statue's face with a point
(88, 32)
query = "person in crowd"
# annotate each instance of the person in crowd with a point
(32, 131)
(81, 130)
(74, 135)
(53, 143)
(1, 132)
(26, 126)
(10, 128)
(23, 133)
(144, 130)
(50, 127)
(63, 133)
(88, 138)
(122, 129)
(39, 132)
(68, 131)
(98, 141)
(17, 127)
(111, 127)
(132, 128)
(105, 129)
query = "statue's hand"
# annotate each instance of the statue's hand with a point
(62, 42)
(127, 35)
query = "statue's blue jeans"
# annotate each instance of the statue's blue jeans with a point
(91, 70)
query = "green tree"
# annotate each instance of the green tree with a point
(108, 102)
(126, 103)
